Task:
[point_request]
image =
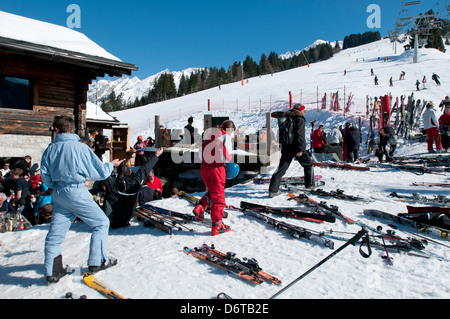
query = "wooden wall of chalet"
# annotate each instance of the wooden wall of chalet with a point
(57, 89)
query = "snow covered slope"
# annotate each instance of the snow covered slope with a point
(153, 265)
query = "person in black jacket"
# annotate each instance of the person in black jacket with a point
(297, 150)
(121, 192)
(352, 140)
(387, 136)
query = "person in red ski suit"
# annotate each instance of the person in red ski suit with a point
(215, 154)
(319, 140)
(444, 125)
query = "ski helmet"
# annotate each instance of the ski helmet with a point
(232, 171)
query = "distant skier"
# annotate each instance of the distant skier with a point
(436, 78)
(417, 85)
(391, 82)
(376, 80)
(424, 82)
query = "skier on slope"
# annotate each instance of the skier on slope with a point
(436, 78)
(216, 153)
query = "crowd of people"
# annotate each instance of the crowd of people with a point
(344, 142)
(57, 191)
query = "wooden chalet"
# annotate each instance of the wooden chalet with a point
(42, 77)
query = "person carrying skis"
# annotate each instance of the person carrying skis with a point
(444, 126)
(216, 153)
(319, 140)
(431, 124)
(297, 150)
(387, 136)
(65, 166)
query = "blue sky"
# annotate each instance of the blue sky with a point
(173, 34)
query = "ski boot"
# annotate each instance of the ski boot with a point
(219, 228)
(199, 213)
(112, 262)
(58, 271)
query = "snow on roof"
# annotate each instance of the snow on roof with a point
(95, 112)
(34, 31)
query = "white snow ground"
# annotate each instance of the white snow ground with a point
(152, 264)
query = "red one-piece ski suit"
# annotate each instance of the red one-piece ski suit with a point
(215, 154)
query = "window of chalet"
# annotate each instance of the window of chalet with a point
(14, 93)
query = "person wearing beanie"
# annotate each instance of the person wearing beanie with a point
(297, 150)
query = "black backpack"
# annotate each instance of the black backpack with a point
(286, 132)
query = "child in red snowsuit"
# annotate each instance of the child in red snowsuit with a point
(215, 154)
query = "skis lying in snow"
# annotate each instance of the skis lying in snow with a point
(290, 212)
(411, 246)
(339, 194)
(293, 230)
(161, 221)
(349, 242)
(186, 217)
(247, 269)
(417, 198)
(285, 180)
(431, 184)
(341, 165)
(402, 220)
(92, 282)
(307, 201)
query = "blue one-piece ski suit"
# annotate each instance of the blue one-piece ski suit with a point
(65, 166)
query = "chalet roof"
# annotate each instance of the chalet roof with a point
(26, 36)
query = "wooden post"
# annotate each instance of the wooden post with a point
(157, 132)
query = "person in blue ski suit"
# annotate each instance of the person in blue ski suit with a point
(65, 166)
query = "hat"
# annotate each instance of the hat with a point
(140, 138)
(299, 107)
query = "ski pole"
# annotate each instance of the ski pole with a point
(352, 241)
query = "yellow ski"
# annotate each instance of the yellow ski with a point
(92, 282)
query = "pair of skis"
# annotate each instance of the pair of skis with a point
(289, 212)
(351, 241)
(322, 206)
(440, 200)
(164, 222)
(285, 180)
(247, 269)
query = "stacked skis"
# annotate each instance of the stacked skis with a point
(164, 219)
